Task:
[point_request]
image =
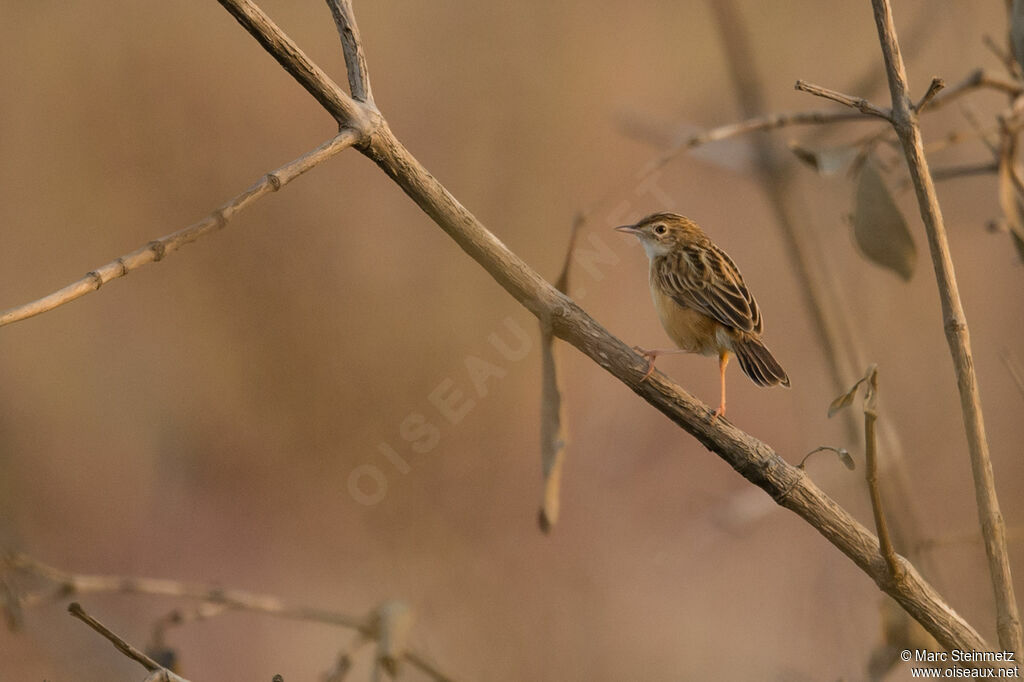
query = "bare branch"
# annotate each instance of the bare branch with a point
(1007, 59)
(215, 600)
(76, 610)
(964, 170)
(751, 125)
(70, 584)
(858, 103)
(979, 78)
(352, 47)
(905, 122)
(158, 248)
(1014, 368)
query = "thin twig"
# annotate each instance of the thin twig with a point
(858, 103)
(936, 85)
(158, 248)
(215, 600)
(979, 78)
(905, 122)
(955, 137)
(871, 475)
(76, 610)
(1007, 59)
(68, 584)
(352, 47)
(964, 170)
(755, 124)
(1014, 368)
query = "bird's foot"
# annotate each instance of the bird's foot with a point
(650, 355)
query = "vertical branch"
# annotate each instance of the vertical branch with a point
(904, 120)
(819, 298)
(352, 48)
(871, 474)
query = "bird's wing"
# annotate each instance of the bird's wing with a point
(704, 278)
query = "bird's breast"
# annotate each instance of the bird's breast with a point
(689, 329)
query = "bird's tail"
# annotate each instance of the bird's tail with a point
(758, 363)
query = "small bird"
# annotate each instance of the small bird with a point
(702, 301)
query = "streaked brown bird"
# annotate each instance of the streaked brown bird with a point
(702, 301)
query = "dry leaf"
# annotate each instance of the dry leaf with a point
(553, 440)
(552, 433)
(879, 227)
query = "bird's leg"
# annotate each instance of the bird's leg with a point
(651, 355)
(723, 360)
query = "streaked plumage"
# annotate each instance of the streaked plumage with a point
(701, 299)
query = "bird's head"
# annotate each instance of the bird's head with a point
(663, 233)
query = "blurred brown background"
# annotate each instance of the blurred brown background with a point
(200, 419)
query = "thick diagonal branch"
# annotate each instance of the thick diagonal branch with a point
(904, 120)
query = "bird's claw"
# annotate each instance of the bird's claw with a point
(650, 355)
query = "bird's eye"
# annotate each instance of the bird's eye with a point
(659, 229)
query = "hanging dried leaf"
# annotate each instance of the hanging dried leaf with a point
(552, 433)
(879, 227)
(825, 161)
(553, 440)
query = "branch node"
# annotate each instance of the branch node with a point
(158, 248)
(955, 325)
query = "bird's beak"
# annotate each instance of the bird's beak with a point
(628, 229)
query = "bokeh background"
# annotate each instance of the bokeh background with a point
(200, 419)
